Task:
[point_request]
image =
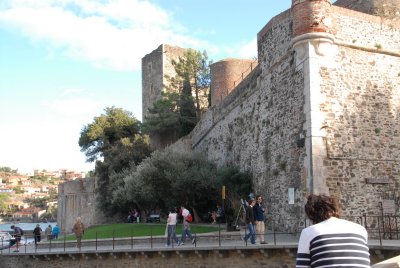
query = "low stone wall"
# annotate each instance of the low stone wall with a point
(159, 258)
(233, 257)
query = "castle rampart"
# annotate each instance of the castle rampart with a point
(319, 114)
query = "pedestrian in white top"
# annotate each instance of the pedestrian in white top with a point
(171, 227)
(186, 226)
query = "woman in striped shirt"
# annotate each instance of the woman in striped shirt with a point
(331, 242)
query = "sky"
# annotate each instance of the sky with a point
(62, 62)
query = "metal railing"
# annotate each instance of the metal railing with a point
(279, 232)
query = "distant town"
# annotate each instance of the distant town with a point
(31, 197)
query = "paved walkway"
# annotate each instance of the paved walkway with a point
(204, 241)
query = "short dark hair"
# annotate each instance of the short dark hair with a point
(321, 207)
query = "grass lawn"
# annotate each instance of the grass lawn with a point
(120, 230)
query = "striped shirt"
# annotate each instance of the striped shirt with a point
(333, 243)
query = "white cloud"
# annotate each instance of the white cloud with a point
(248, 50)
(110, 34)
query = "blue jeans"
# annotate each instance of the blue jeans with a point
(186, 231)
(172, 231)
(251, 234)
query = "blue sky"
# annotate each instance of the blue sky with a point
(63, 61)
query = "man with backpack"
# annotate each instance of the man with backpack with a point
(18, 233)
(187, 219)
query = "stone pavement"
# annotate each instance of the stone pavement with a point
(215, 240)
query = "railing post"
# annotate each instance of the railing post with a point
(96, 241)
(245, 234)
(113, 240)
(49, 244)
(65, 238)
(219, 234)
(365, 221)
(379, 232)
(132, 238)
(151, 237)
(274, 229)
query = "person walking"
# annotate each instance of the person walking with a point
(259, 211)
(37, 234)
(171, 227)
(56, 231)
(48, 232)
(330, 241)
(186, 226)
(250, 221)
(78, 229)
(18, 233)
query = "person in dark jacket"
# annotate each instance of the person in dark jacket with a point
(18, 233)
(259, 211)
(250, 221)
(37, 234)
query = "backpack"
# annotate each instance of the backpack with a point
(189, 218)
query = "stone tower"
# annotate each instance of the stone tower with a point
(313, 43)
(155, 67)
(226, 75)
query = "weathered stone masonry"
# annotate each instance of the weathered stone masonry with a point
(77, 199)
(319, 114)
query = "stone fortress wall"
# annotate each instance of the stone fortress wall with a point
(320, 113)
(77, 199)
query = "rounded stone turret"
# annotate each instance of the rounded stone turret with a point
(383, 8)
(226, 75)
(311, 16)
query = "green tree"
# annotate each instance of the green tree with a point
(8, 170)
(187, 110)
(4, 198)
(97, 138)
(164, 114)
(114, 139)
(168, 179)
(184, 99)
(18, 190)
(38, 202)
(193, 68)
(238, 186)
